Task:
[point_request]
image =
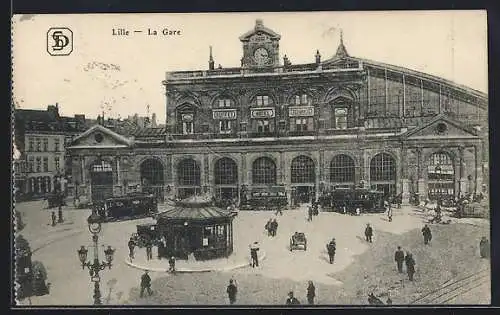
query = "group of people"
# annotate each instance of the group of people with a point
(271, 227)
(149, 253)
(400, 258)
(312, 210)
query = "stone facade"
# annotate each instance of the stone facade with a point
(350, 121)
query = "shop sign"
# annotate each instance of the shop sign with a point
(227, 114)
(262, 113)
(301, 111)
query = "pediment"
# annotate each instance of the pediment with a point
(99, 136)
(441, 127)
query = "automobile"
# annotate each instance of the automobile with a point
(297, 241)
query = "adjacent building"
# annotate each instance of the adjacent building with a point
(307, 128)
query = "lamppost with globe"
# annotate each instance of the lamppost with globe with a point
(94, 222)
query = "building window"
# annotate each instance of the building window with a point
(31, 145)
(301, 99)
(45, 163)
(38, 145)
(262, 100)
(303, 170)
(225, 126)
(263, 126)
(342, 169)
(102, 167)
(187, 127)
(57, 163)
(226, 172)
(38, 164)
(441, 176)
(188, 173)
(382, 168)
(264, 171)
(31, 164)
(301, 124)
(56, 145)
(340, 118)
(45, 144)
(224, 103)
(243, 126)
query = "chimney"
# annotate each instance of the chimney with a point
(153, 120)
(211, 60)
(318, 57)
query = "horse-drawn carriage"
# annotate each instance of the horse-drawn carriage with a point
(146, 233)
(298, 241)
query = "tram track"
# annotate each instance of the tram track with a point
(454, 289)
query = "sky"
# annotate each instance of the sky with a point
(122, 75)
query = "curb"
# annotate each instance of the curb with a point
(50, 242)
(187, 270)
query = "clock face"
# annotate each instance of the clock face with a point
(261, 56)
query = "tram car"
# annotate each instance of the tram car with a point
(351, 198)
(266, 198)
(131, 206)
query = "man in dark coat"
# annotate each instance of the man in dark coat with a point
(410, 265)
(254, 248)
(149, 250)
(145, 284)
(274, 227)
(311, 293)
(368, 233)
(231, 291)
(171, 264)
(331, 248)
(484, 247)
(268, 226)
(309, 213)
(291, 300)
(131, 247)
(426, 232)
(54, 218)
(399, 257)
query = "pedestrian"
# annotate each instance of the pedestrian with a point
(54, 218)
(146, 284)
(274, 227)
(171, 264)
(399, 257)
(149, 250)
(358, 211)
(254, 248)
(131, 247)
(291, 300)
(279, 210)
(426, 232)
(389, 300)
(331, 248)
(368, 233)
(268, 227)
(484, 247)
(311, 293)
(410, 265)
(373, 300)
(231, 290)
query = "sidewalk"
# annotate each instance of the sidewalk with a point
(192, 266)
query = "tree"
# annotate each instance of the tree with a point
(19, 221)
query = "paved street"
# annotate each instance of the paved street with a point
(359, 267)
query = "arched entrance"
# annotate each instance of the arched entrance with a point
(303, 178)
(226, 179)
(383, 174)
(342, 171)
(188, 178)
(101, 180)
(152, 178)
(440, 176)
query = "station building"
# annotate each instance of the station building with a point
(334, 122)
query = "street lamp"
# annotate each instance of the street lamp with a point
(94, 222)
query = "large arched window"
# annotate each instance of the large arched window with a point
(303, 170)
(342, 169)
(383, 173)
(440, 176)
(226, 172)
(188, 173)
(152, 177)
(264, 171)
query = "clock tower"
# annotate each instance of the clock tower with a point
(260, 47)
